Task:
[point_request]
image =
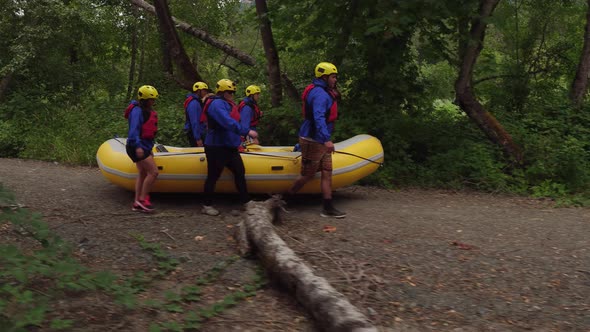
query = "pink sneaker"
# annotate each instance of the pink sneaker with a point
(142, 206)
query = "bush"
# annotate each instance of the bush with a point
(12, 141)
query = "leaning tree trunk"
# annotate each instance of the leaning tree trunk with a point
(202, 35)
(580, 84)
(272, 56)
(330, 309)
(464, 94)
(174, 46)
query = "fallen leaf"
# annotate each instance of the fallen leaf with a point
(377, 279)
(329, 229)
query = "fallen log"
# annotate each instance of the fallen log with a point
(331, 310)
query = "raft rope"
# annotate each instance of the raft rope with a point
(363, 158)
(169, 154)
(264, 155)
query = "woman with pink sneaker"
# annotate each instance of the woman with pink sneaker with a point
(143, 126)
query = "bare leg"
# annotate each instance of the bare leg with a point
(151, 174)
(139, 180)
(326, 184)
(299, 183)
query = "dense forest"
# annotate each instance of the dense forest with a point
(484, 94)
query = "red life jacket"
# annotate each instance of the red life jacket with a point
(331, 114)
(257, 112)
(149, 127)
(188, 100)
(234, 114)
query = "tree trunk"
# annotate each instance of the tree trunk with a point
(134, 33)
(331, 309)
(580, 83)
(74, 63)
(272, 56)
(341, 43)
(174, 46)
(4, 83)
(141, 67)
(291, 89)
(202, 35)
(464, 94)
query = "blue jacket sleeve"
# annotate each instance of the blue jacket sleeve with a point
(246, 116)
(321, 103)
(135, 122)
(220, 113)
(194, 116)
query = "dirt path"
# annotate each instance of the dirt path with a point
(411, 260)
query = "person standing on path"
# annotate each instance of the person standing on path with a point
(222, 142)
(143, 126)
(320, 111)
(194, 128)
(250, 113)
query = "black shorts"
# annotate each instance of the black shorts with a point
(131, 153)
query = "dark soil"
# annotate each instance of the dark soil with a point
(411, 260)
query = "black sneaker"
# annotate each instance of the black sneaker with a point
(332, 213)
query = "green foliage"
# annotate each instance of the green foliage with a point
(418, 156)
(31, 281)
(397, 61)
(165, 264)
(11, 139)
(23, 305)
(280, 125)
(193, 319)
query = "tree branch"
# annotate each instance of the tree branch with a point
(202, 35)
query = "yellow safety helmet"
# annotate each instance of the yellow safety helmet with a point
(147, 92)
(251, 90)
(225, 85)
(325, 68)
(200, 86)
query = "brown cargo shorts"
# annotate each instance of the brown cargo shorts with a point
(315, 157)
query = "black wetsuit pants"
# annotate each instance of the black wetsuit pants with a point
(217, 158)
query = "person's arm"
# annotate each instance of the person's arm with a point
(246, 116)
(194, 117)
(321, 103)
(135, 121)
(220, 113)
(245, 119)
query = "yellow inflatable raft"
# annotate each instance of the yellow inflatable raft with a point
(269, 169)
